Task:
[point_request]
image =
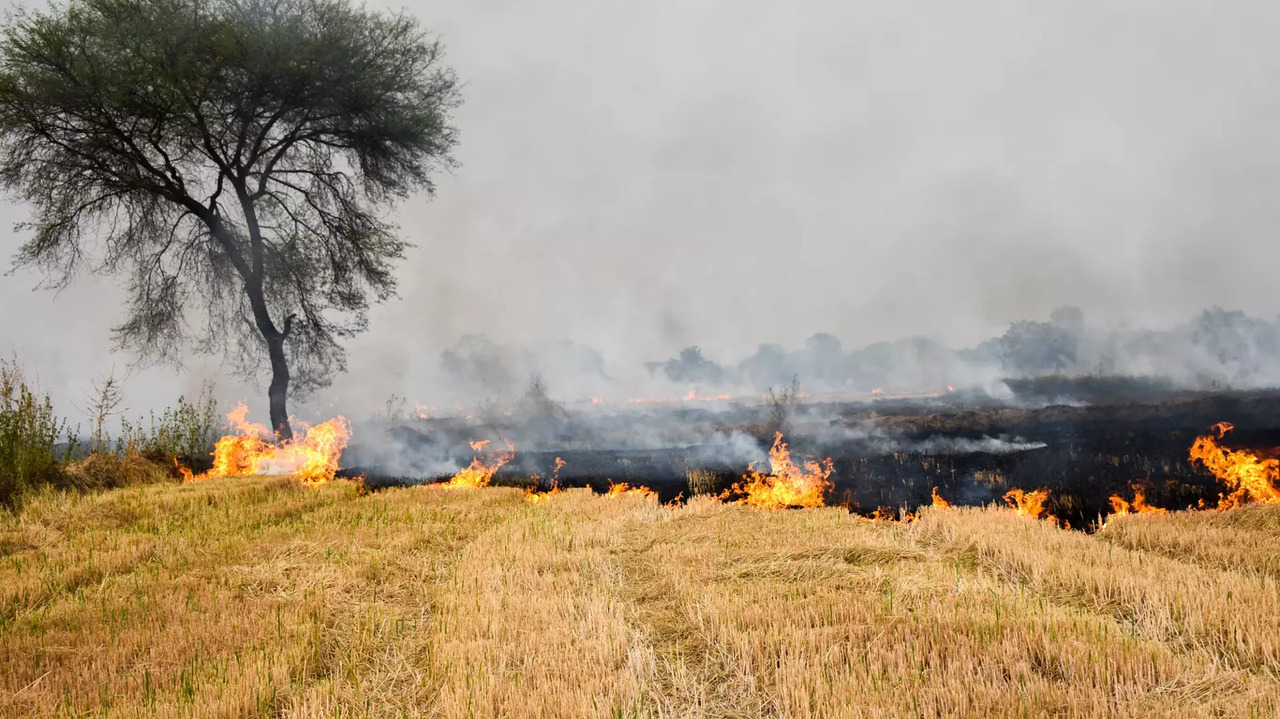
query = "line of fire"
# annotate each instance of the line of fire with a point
(883, 458)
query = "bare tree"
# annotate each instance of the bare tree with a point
(230, 156)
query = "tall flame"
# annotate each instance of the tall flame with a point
(787, 484)
(478, 473)
(313, 459)
(1028, 504)
(1248, 476)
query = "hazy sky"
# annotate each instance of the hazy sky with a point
(642, 176)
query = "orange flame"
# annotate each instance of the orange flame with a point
(1249, 477)
(479, 474)
(1138, 506)
(693, 396)
(534, 497)
(786, 484)
(596, 400)
(877, 390)
(938, 501)
(313, 459)
(622, 489)
(1028, 504)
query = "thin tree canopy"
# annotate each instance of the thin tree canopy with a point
(235, 158)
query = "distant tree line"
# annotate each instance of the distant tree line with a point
(1216, 348)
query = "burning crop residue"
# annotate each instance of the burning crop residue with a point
(1249, 477)
(693, 396)
(622, 489)
(1028, 504)
(313, 459)
(533, 496)
(480, 473)
(787, 484)
(938, 501)
(1139, 504)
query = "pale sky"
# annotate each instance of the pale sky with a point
(644, 176)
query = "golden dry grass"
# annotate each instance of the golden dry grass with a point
(255, 597)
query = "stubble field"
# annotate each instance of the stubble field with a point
(258, 597)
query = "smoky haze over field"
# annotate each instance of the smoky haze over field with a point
(639, 178)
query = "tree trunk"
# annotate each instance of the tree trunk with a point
(251, 272)
(278, 392)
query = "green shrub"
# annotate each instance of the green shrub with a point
(29, 433)
(185, 433)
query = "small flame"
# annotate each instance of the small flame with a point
(555, 472)
(938, 501)
(693, 396)
(1138, 506)
(478, 473)
(1248, 476)
(1028, 504)
(596, 400)
(534, 497)
(622, 489)
(313, 458)
(787, 484)
(951, 388)
(877, 390)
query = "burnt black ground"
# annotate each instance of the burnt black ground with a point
(1094, 447)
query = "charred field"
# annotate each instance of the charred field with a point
(1083, 440)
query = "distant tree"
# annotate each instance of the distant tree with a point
(691, 366)
(823, 359)
(767, 367)
(236, 156)
(1032, 348)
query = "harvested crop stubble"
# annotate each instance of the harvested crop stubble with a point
(256, 596)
